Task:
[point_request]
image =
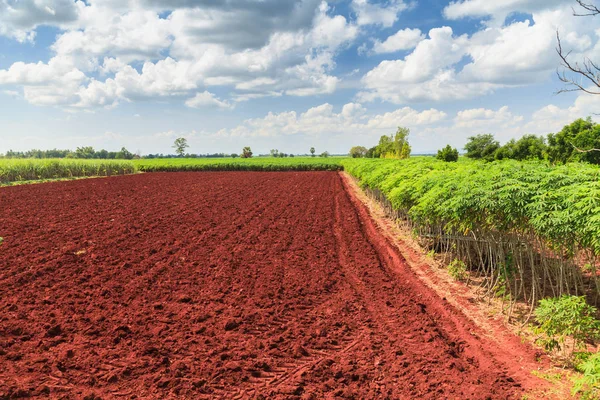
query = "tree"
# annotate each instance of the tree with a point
(448, 154)
(234, 155)
(312, 151)
(275, 153)
(358, 152)
(372, 153)
(324, 154)
(578, 141)
(84, 152)
(124, 154)
(246, 152)
(585, 73)
(393, 146)
(482, 147)
(180, 145)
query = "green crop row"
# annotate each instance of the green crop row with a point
(16, 170)
(239, 164)
(531, 228)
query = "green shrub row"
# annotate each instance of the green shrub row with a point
(529, 226)
(16, 170)
(234, 164)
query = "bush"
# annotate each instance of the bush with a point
(458, 270)
(564, 317)
(358, 152)
(482, 147)
(447, 154)
(588, 386)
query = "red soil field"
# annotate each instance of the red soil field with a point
(222, 285)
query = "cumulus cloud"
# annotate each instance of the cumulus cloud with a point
(498, 10)
(353, 119)
(19, 19)
(206, 100)
(288, 50)
(446, 67)
(371, 13)
(404, 39)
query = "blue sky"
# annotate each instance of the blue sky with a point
(283, 74)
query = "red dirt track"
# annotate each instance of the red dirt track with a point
(221, 285)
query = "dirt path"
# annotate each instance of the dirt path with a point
(222, 285)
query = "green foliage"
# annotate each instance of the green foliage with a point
(86, 152)
(372, 153)
(448, 154)
(529, 147)
(324, 154)
(588, 385)
(458, 270)
(507, 210)
(482, 147)
(239, 164)
(180, 145)
(312, 151)
(564, 317)
(358, 152)
(17, 170)
(246, 152)
(394, 146)
(583, 134)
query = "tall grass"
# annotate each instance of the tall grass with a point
(240, 164)
(16, 170)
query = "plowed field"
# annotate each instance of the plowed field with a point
(222, 285)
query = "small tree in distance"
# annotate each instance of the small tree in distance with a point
(448, 154)
(246, 152)
(312, 151)
(324, 154)
(358, 152)
(482, 147)
(180, 145)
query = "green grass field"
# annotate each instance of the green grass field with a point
(27, 170)
(240, 164)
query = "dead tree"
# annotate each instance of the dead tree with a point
(579, 76)
(590, 9)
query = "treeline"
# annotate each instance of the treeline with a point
(578, 141)
(86, 152)
(187, 155)
(394, 146)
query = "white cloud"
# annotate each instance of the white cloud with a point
(404, 39)
(323, 120)
(19, 19)
(485, 118)
(368, 13)
(208, 100)
(288, 50)
(406, 117)
(499, 10)
(446, 67)
(136, 35)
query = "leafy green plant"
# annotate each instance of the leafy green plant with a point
(448, 154)
(588, 385)
(566, 317)
(19, 170)
(458, 270)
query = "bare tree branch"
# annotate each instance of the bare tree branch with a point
(590, 8)
(587, 71)
(583, 151)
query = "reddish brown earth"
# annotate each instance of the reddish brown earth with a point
(222, 285)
